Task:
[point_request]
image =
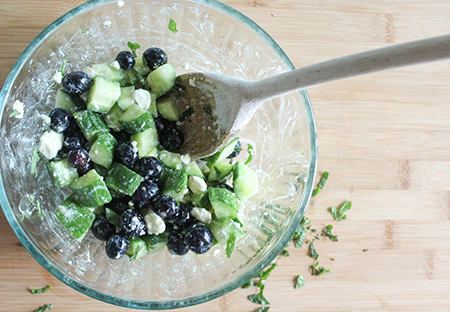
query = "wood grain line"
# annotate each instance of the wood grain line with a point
(389, 234)
(256, 3)
(389, 28)
(429, 263)
(403, 174)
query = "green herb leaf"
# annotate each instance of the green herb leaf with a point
(258, 298)
(300, 282)
(265, 274)
(285, 253)
(230, 245)
(328, 233)
(34, 160)
(173, 26)
(365, 250)
(63, 66)
(83, 31)
(335, 214)
(238, 221)
(248, 284)
(263, 309)
(41, 290)
(133, 47)
(14, 113)
(44, 308)
(312, 251)
(321, 184)
(344, 208)
(250, 156)
(316, 271)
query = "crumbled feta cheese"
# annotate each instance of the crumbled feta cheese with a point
(46, 119)
(155, 224)
(57, 77)
(196, 185)
(134, 144)
(115, 65)
(192, 82)
(201, 214)
(90, 72)
(18, 106)
(50, 143)
(185, 159)
(142, 98)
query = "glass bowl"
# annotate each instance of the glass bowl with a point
(211, 37)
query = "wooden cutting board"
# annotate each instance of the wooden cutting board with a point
(384, 138)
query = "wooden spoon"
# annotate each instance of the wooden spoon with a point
(216, 107)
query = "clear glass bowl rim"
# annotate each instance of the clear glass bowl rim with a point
(155, 305)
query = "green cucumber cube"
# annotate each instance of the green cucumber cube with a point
(152, 153)
(176, 184)
(111, 118)
(137, 248)
(162, 79)
(136, 119)
(219, 171)
(90, 124)
(130, 78)
(140, 68)
(90, 190)
(75, 217)
(193, 169)
(171, 160)
(245, 181)
(102, 151)
(126, 97)
(105, 70)
(146, 141)
(64, 100)
(168, 109)
(113, 217)
(61, 172)
(123, 180)
(224, 202)
(222, 228)
(153, 109)
(200, 200)
(155, 243)
(222, 154)
(104, 93)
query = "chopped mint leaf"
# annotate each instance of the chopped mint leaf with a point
(250, 156)
(312, 251)
(63, 66)
(248, 284)
(173, 26)
(34, 160)
(41, 290)
(327, 232)
(38, 207)
(300, 282)
(285, 253)
(315, 270)
(83, 31)
(133, 47)
(300, 233)
(44, 308)
(14, 113)
(335, 213)
(332, 259)
(19, 244)
(365, 250)
(263, 309)
(339, 215)
(230, 245)
(321, 184)
(258, 298)
(265, 274)
(238, 221)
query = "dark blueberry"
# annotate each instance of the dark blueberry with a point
(102, 228)
(132, 223)
(171, 139)
(76, 82)
(166, 207)
(225, 186)
(121, 136)
(236, 151)
(183, 218)
(186, 207)
(176, 245)
(119, 205)
(78, 158)
(163, 124)
(126, 60)
(71, 143)
(199, 238)
(59, 120)
(126, 154)
(154, 57)
(82, 171)
(150, 168)
(116, 246)
(145, 193)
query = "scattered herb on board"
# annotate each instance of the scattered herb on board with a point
(316, 271)
(285, 253)
(173, 26)
(321, 184)
(133, 47)
(41, 290)
(327, 231)
(312, 251)
(14, 113)
(339, 214)
(230, 245)
(300, 282)
(365, 250)
(263, 309)
(300, 233)
(35, 159)
(44, 308)
(263, 275)
(250, 156)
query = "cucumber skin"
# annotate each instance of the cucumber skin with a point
(176, 184)
(123, 180)
(104, 93)
(219, 171)
(90, 124)
(245, 181)
(136, 120)
(90, 190)
(146, 141)
(162, 79)
(102, 151)
(79, 225)
(222, 154)
(224, 202)
(61, 173)
(137, 248)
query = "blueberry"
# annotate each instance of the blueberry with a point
(171, 139)
(82, 171)
(126, 154)
(71, 143)
(145, 193)
(163, 124)
(132, 223)
(166, 207)
(59, 120)
(199, 238)
(236, 151)
(121, 136)
(225, 186)
(183, 218)
(78, 158)
(119, 205)
(176, 245)
(154, 57)
(150, 168)
(102, 228)
(116, 246)
(126, 60)
(76, 82)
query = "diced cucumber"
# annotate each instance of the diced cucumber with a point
(130, 78)
(162, 79)
(176, 184)
(105, 70)
(222, 228)
(224, 202)
(193, 169)
(152, 153)
(155, 243)
(140, 68)
(104, 93)
(90, 124)
(126, 97)
(61, 172)
(222, 154)
(146, 141)
(153, 109)
(201, 200)
(102, 151)
(245, 181)
(168, 109)
(101, 170)
(76, 218)
(113, 217)
(90, 190)
(136, 119)
(137, 248)
(219, 171)
(64, 100)
(111, 118)
(166, 172)
(123, 180)
(171, 160)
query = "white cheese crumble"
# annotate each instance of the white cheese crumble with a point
(196, 185)
(192, 82)
(46, 120)
(90, 72)
(201, 214)
(155, 224)
(120, 3)
(185, 159)
(57, 77)
(134, 144)
(50, 143)
(142, 98)
(115, 65)
(18, 106)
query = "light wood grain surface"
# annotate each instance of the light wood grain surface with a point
(384, 138)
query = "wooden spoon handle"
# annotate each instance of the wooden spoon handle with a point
(410, 53)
